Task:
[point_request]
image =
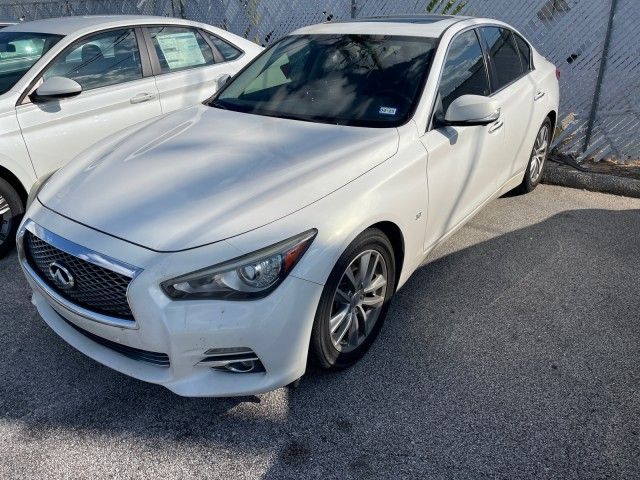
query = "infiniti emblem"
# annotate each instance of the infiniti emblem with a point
(61, 276)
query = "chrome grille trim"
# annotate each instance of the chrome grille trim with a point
(81, 253)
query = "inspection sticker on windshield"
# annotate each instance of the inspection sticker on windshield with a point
(387, 111)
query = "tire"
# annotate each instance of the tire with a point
(12, 207)
(537, 160)
(342, 295)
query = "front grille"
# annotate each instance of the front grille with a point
(95, 288)
(160, 359)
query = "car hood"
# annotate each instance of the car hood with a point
(203, 174)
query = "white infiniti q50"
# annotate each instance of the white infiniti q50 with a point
(215, 249)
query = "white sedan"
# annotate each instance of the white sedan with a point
(66, 83)
(213, 250)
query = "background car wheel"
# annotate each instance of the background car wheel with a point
(537, 160)
(11, 210)
(354, 302)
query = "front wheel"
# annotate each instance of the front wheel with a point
(537, 160)
(354, 302)
(11, 209)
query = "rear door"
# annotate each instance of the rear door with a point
(118, 91)
(514, 89)
(187, 64)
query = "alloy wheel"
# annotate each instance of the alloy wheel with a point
(358, 300)
(539, 154)
(6, 219)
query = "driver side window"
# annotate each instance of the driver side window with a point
(464, 71)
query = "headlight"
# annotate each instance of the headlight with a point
(248, 277)
(33, 193)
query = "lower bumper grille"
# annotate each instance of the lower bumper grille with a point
(160, 359)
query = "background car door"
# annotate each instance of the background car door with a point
(187, 65)
(515, 90)
(115, 95)
(463, 162)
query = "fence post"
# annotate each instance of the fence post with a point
(603, 65)
(180, 9)
(354, 8)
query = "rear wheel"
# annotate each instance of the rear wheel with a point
(354, 302)
(11, 210)
(537, 160)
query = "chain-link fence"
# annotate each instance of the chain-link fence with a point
(595, 43)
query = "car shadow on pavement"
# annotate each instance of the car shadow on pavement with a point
(514, 356)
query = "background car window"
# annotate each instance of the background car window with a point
(100, 60)
(228, 51)
(464, 71)
(525, 51)
(180, 48)
(504, 55)
(18, 52)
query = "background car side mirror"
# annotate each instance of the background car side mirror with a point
(469, 110)
(222, 80)
(56, 88)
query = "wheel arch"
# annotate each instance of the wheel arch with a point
(14, 182)
(395, 236)
(553, 116)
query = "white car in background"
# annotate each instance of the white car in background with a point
(212, 250)
(66, 83)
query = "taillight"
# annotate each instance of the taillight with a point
(558, 73)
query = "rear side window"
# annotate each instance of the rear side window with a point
(180, 48)
(100, 60)
(525, 51)
(504, 55)
(228, 51)
(464, 70)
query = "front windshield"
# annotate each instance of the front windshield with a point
(18, 52)
(361, 80)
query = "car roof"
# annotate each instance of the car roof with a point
(411, 25)
(69, 25)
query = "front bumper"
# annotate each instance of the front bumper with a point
(277, 328)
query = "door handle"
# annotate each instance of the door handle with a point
(143, 97)
(539, 95)
(496, 126)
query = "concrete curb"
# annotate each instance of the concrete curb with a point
(559, 174)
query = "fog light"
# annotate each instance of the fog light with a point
(241, 367)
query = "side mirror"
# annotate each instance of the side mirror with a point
(56, 88)
(470, 110)
(222, 80)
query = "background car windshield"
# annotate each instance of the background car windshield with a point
(18, 52)
(361, 80)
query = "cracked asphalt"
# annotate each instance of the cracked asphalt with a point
(514, 352)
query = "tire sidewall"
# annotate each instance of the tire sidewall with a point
(17, 209)
(528, 183)
(323, 351)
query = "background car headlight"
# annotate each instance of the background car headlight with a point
(248, 277)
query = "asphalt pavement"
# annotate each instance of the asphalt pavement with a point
(514, 352)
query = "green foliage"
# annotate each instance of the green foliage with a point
(446, 7)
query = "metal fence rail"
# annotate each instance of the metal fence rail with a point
(595, 43)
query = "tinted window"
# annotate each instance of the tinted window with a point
(228, 51)
(464, 70)
(525, 51)
(18, 52)
(180, 48)
(504, 55)
(364, 80)
(100, 60)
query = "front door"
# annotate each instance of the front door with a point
(115, 95)
(463, 162)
